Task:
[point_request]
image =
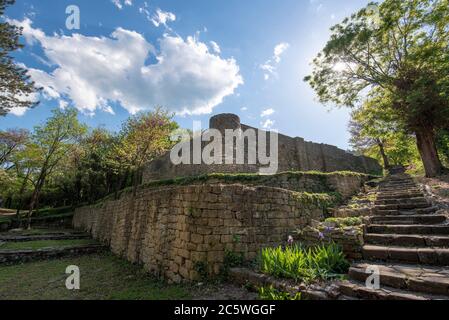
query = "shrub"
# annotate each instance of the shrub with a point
(304, 264)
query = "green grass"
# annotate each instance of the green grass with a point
(45, 244)
(304, 264)
(103, 277)
(272, 294)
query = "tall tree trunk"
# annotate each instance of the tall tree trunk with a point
(22, 190)
(381, 145)
(425, 139)
(33, 203)
(34, 200)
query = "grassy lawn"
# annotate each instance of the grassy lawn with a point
(103, 277)
(44, 244)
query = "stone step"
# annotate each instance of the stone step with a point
(360, 291)
(399, 190)
(428, 280)
(409, 219)
(427, 256)
(396, 196)
(407, 240)
(24, 238)
(415, 205)
(400, 201)
(427, 210)
(26, 255)
(404, 194)
(398, 186)
(420, 229)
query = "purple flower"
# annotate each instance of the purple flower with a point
(290, 240)
(320, 236)
(328, 229)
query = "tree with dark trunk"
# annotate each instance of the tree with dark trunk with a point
(15, 85)
(396, 52)
(54, 142)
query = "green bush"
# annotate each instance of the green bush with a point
(269, 293)
(304, 264)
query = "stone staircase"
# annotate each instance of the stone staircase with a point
(408, 242)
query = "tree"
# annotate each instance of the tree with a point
(143, 138)
(54, 141)
(15, 85)
(11, 141)
(375, 132)
(403, 57)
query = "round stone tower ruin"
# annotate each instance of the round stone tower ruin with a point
(225, 121)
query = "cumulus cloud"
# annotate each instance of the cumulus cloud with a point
(267, 112)
(93, 72)
(270, 66)
(162, 18)
(119, 3)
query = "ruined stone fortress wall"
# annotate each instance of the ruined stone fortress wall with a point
(294, 154)
(175, 231)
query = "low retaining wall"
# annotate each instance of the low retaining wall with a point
(173, 231)
(345, 183)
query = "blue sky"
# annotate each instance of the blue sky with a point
(197, 57)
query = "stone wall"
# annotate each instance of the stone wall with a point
(174, 230)
(294, 154)
(346, 184)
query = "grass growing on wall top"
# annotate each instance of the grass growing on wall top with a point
(238, 178)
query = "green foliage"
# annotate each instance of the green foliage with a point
(15, 84)
(202, 269)
(233, 259)
(345, 222)
(272, 294)
(399, 64)
(304, 264)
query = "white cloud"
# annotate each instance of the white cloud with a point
(162, 18)
(215, 47)
(267, 112)
(93, 72)
(145, 11)
(270, 66)
(268, 124)
(119, 3)
(279, 50)
(17, 111)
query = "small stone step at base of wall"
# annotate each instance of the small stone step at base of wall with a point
(359, 291)
(424, 279)
(20, 256)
